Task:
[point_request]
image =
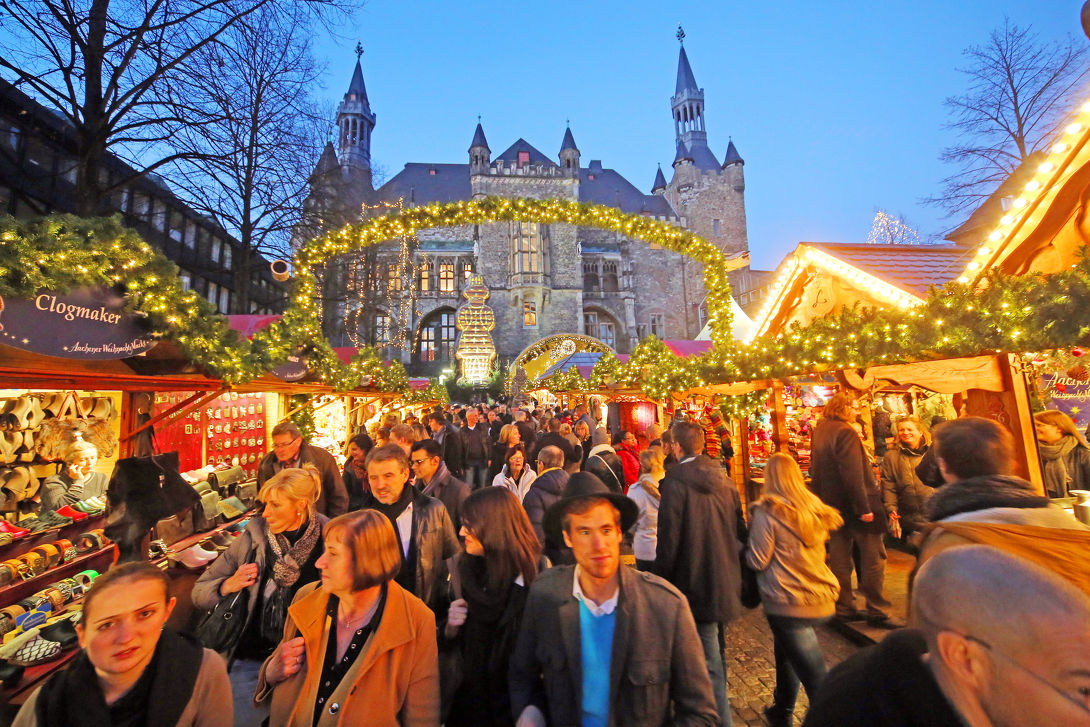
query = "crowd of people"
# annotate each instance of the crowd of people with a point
(498, 567)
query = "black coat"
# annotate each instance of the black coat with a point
(657, 675)
(700, 529)
(606, 465)
(453, 452)
(476, 445)
(842, 477)
(333, 500)
(449, 490)
(543, 494)
(554, 439)
(887, 685)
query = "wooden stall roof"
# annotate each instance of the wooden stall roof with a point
(160, 369)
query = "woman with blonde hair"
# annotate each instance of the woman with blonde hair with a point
(904, 494)
(356, 647)
(273, 558)
(645, 493)
(787, 533)
(509, 437)
(1065, 455)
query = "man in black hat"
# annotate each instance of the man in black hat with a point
(602, 644)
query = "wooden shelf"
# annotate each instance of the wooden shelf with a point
(17, 590)
(67, 532)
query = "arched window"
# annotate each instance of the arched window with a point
(609, 277)
(437, 336)
(590, 277)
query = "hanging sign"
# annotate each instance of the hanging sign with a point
(87, 323)
(1069, 394)
(294, 369)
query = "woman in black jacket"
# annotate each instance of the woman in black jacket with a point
(489, 584)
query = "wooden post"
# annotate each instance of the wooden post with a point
(1011, 408)
(128, 421)
(780, 434)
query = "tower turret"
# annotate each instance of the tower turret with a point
(569, 155)
(480, 156)
(687, 105)
(355, 121)
(659, 185)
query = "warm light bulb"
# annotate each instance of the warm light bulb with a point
(995, 235)
(1006, 219)
(1020, 202)
(1059, 148)
(1033, 186)
(1073, 129)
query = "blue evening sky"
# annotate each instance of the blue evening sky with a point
(836, 107)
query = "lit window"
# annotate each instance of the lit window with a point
(425, 276)
(448, 333)
(467, 269)
(529, 314)
(382, 329)
(393, 278)
(227, 253)
(225, 300)
(185, 279)
(658, 324)
(590, 324)
(427, 344)
(446, 277)
(526, 248)
(217, 250)
(607, 334)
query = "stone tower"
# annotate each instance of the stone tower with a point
(709, 196)
(355, 122)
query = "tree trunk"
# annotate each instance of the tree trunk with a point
(91, 135)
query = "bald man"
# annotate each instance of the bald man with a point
(1000, 642)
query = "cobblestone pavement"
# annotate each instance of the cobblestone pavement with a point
(752, 669)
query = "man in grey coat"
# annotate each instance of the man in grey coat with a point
(603, 644)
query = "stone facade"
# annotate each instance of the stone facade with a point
(544, 280)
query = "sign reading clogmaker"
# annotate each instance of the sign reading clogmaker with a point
(88, 323)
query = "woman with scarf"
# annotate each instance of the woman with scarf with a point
(645, 493)
(904, 494)
(489, 584)
(131, 671)
(509, 437)
(273, 558)
(516, 475)
(787, 532)
(1065, 455)
(357, 648)
(355, 471)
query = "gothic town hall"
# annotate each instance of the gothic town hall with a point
(544, 279)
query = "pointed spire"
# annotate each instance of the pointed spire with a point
(732, 157)
(357, 86)
(328, 161)
(478, 136)
(682, 152)
(685, 79)
(660, 180)
(569, 141)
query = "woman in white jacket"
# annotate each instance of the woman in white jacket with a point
(645, 493)
(788, 529)
(516, 474)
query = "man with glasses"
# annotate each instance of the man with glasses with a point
(999, 642)
(435, 480)
(290, 450)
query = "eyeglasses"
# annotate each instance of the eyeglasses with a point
(1082, 701)
(419, 461)
(285, 445)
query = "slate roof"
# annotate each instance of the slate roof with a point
(660, 180)
(328, 161)
(357, 86)
(910, 267)
(446, 245)
(732, 154)
(609, 188)
(703, 157)
(569, 141)
(685, 78)
(417, 185)
(985, 217)
(682, 152)
(511, 154)
(578, 360)
(478, 138)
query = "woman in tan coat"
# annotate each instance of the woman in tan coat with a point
(358, 648)
(788, 529)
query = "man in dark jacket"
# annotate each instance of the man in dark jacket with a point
(966, 664)
(435, 480)
(843, 478)
(527, 432)
(700, 526)
(289, 450)
(476, 445)
(604, 644)
(450, 442)
(553, 438)
(544, 492)
(424, 531)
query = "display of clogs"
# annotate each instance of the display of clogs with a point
(195, 557)
(19, 483)
(12, 530)
(10, 441)
(19, 408)
(26, 452)
(69, 511)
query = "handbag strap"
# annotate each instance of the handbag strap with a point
(456, 580)
(610, 470)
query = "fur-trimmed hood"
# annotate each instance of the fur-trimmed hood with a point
(980, 493)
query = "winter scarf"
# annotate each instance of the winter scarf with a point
(980, 493)
(406, 576)
(650, 485)
(1054, 467)
(74, 695)
(486, 604)
(288, 560)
